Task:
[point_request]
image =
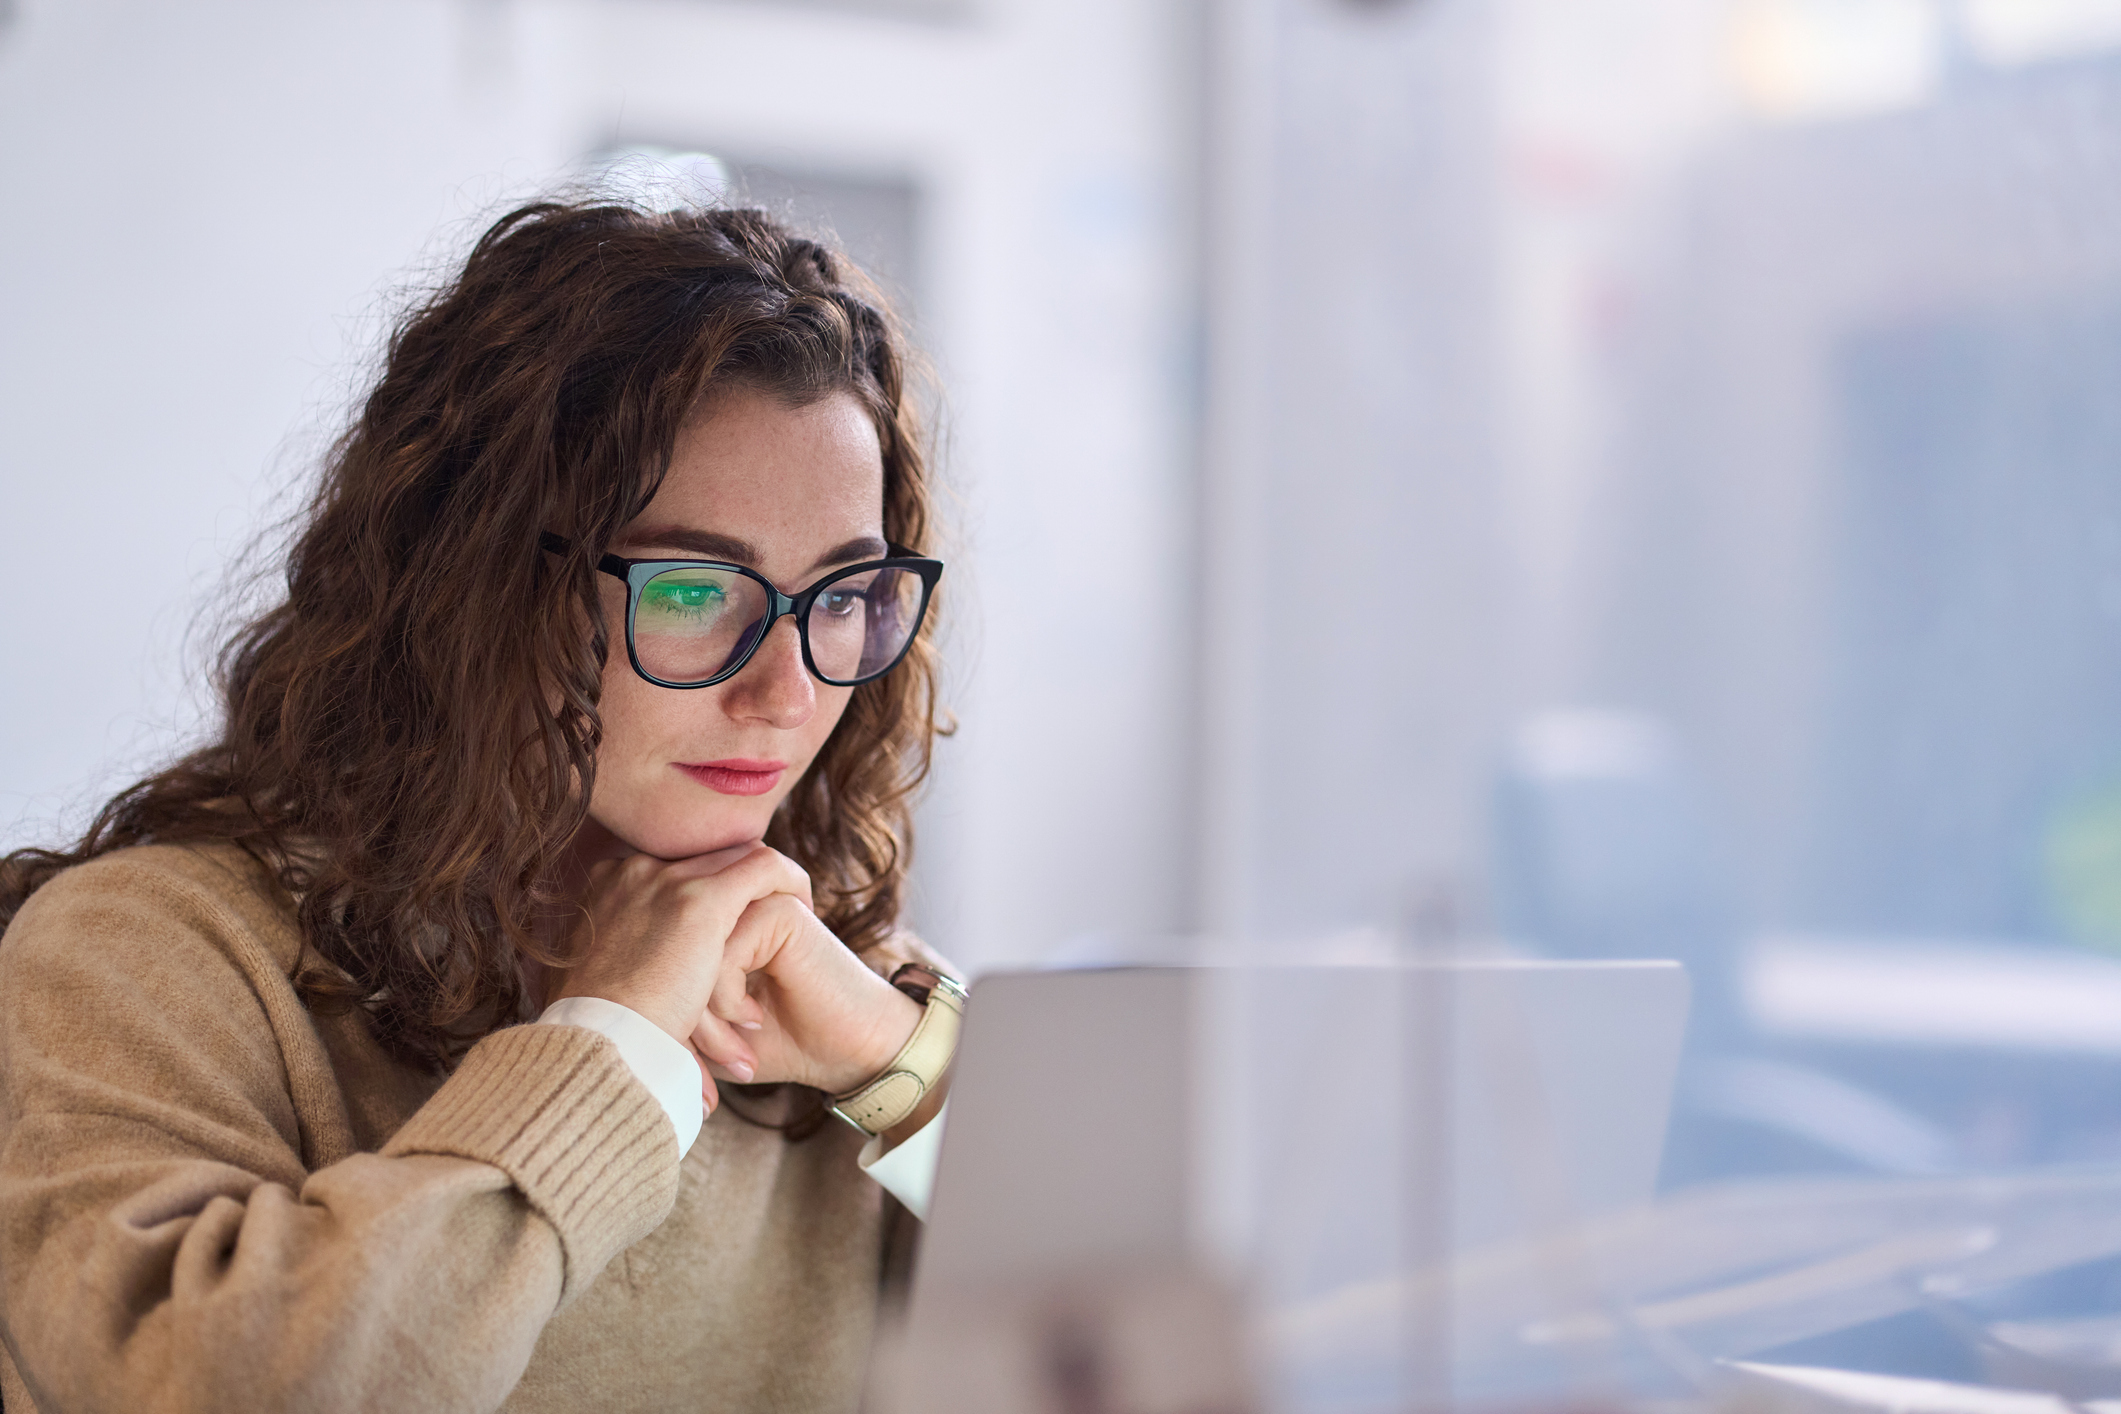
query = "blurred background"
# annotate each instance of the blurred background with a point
(1589, 477)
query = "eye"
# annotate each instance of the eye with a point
(840, 603)
(683, 600)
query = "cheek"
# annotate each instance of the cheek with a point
(831, 706)
(624, 716)
(635, 714)
(615, 700)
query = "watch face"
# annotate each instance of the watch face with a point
(919, 981)
(916, 980)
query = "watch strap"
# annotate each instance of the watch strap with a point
(897, 1091)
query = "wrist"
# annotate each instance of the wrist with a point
(641, 1004)
(887, 1036)
(893, 1096)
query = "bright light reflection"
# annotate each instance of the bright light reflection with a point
(1934, 993)
(1827, 58)
(2023, 31)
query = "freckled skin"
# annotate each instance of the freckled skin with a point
(796, 483)
(687, 919)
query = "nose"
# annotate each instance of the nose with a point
(774, 687)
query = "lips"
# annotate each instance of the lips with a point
(736, 776)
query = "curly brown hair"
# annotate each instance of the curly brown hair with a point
(411, 775)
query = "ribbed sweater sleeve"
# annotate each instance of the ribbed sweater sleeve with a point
(557, 1110)
(181, 1231)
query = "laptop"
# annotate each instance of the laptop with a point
(1306, 1132)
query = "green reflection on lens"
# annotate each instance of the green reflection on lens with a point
(683, 601)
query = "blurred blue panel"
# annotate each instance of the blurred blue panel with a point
(1976, 679)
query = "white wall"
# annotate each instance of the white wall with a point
(206, 207)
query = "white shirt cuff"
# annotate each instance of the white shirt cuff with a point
(907, 1173)
(662, 1062)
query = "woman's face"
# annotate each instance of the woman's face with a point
(792, 493)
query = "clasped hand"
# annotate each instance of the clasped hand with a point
(723, 952)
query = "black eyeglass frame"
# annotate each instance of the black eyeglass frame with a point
(635, 574)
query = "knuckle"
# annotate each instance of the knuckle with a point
(698, 888)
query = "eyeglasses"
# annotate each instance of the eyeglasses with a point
(694, 623)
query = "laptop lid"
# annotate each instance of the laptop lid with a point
(1309, 1128)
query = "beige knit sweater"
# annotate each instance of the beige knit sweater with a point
(212, 1200)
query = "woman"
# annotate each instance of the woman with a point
(358, 1060)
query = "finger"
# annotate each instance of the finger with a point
(709, 1095)
(763, 941)
(714, 861)
(760, 874)
(755, 939)
(731, 1000)
(718, 1043)
(765, 870)
(741, 857)
(802, 875)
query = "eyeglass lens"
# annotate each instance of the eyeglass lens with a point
(693, 624)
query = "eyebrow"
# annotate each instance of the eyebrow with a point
(710, 545)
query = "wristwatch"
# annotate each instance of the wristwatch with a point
(918, 1068)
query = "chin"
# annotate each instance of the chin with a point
(684, 844)
(681, 834)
